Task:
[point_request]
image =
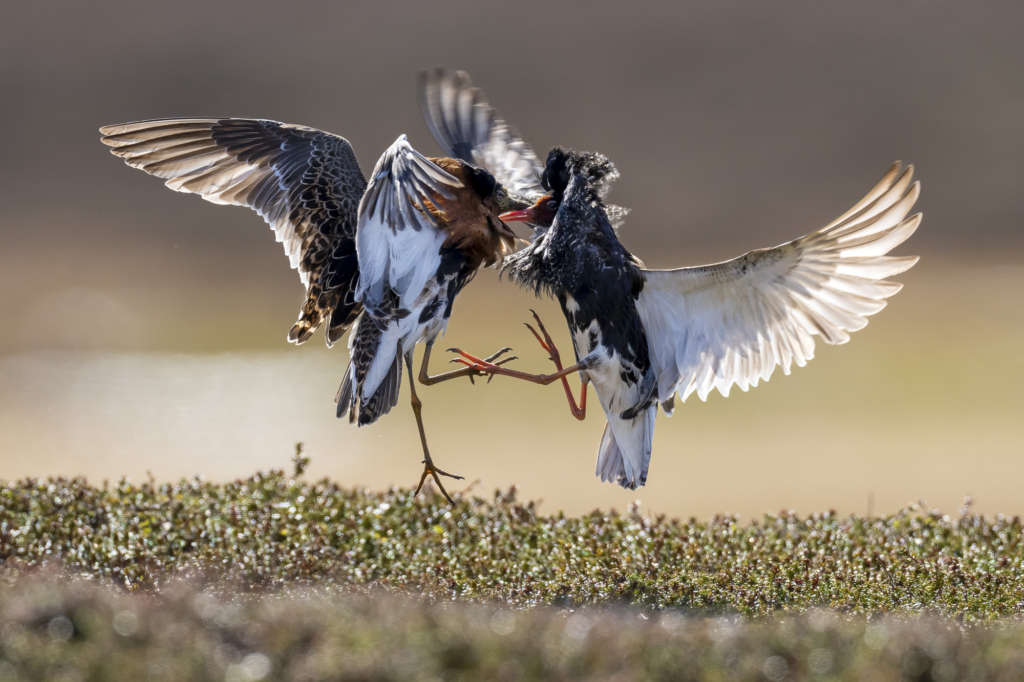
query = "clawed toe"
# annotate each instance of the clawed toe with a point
(546, 342)
(481, 366)
(497, 355)
(499, 363)
(445, 473)
(430, 470)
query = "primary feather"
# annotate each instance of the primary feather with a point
(468, 128)
(304, 182)
(733, 322)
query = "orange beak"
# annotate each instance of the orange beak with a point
(525, 216)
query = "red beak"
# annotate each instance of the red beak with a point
(525, 216)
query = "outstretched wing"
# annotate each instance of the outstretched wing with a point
(733, 322)
(304, 182)
(398, 240)
(468, 128)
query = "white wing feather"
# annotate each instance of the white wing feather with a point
(399, 249)
(396, 239)
(733, 322)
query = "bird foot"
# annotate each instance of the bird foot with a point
(546, 343)
(485, 366)
(482, 367)
(430, 470)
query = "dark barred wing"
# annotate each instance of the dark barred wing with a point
(468, 128)
(304, 182)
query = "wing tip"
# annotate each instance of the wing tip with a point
(300, 333)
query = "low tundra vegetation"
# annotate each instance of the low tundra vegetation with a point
(274, 577)
(273, 530)
(79, 630)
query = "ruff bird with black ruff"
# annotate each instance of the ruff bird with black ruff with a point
(643, 336)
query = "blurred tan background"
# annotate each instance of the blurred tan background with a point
(144, 329)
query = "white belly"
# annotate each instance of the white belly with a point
(406, 332)
(606, 373)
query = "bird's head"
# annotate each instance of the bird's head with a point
(488, 195)
(574, 232)
(542, 213)
(488, 187)
(562, 164)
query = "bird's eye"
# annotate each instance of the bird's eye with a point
(551, 204)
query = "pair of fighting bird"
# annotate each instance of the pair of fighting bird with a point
(391, 255)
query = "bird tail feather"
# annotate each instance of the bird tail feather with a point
(625, 452)
(363, 347)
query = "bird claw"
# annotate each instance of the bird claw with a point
(483, 366)
(430, 470)
(488, 365)
(547, 343)
(499, 363)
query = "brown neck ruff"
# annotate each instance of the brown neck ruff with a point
(470, 220)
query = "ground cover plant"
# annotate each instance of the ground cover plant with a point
(275, 577)
(273, 529)
(77, 630)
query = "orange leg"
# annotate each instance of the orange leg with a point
(475, 363)
(548, 344)
(427, 380)
(429, 469)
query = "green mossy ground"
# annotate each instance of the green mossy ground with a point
(312, 581)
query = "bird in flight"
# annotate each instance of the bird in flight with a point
(641, 336)
(387, 257)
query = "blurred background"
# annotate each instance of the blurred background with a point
(144, 330)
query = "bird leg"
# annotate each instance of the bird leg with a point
(428, 464)
(486, 367)
(428, 380)
(548, 344)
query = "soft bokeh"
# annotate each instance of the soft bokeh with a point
(144, 330)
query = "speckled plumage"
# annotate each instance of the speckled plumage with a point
(439, 216)
(702, 327)
(304, 182)
(580, 262)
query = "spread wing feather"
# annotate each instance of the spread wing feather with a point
(398, 240)
(304, 182)
(399, 246)
(467, 127)
(733, 322)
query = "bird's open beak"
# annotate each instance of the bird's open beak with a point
(526, 216)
